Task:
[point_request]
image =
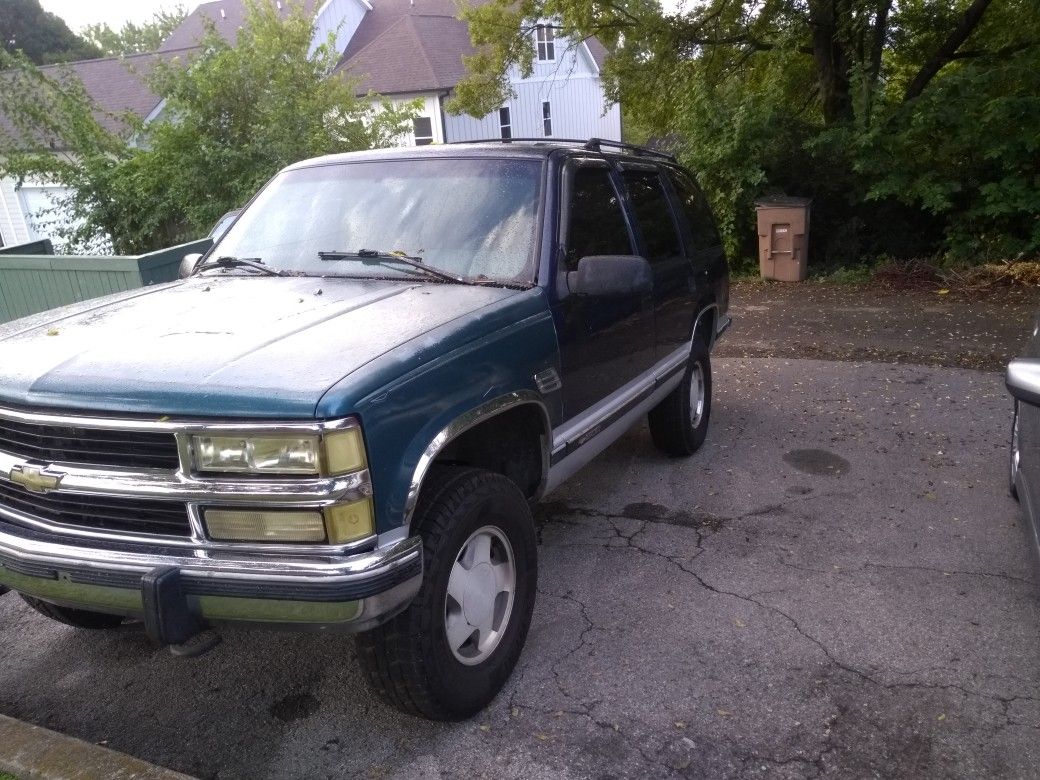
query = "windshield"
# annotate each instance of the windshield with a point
(474, 218)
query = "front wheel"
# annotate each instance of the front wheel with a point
(679, 424)
(451, 651)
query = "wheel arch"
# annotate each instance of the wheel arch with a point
(461, 440)
(705, 324)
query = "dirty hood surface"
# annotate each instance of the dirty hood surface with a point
(235, 345)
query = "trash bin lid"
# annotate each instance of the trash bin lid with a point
(782, 201)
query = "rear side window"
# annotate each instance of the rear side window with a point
(596, 223)
(653, 215)
(700, 231)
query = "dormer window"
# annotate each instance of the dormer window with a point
(545, 38)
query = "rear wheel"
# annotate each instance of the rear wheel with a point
(679, 424)
(451, 651)
(77, 618)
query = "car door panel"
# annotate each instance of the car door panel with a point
(605, 342)
(658, 233)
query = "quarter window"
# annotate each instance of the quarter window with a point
(547, 118)
(653, 215)
(545, 38)
(422, 127)
(596, 222)
(504, 122)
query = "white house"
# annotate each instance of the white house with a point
(401, 49)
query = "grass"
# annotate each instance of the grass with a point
(5, 776)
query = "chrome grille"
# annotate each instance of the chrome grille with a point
(107, 513)
(93, 446)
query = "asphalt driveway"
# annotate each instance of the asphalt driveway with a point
(837, 584)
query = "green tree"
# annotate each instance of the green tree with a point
(136, 38)
(869, 106)
(41, 36)
(234, 115)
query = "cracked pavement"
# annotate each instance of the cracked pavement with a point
(837, 584)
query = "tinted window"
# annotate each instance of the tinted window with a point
(653, 215)
(597, 223)
(471, 217)
(700, 231)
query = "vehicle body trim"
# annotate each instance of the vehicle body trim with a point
(583, 427)
(31, 549)
(575, 459)
(463, 423)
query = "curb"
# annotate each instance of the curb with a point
(33, 753)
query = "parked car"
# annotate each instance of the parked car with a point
(1023, 381)
(339, 418)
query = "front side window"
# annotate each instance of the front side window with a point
(547, 118)
(653, 215)
(545, 39)
(473, 218)
(504, 122)
(595, 220)
(422, 128)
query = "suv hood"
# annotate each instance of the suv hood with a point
(234, 345)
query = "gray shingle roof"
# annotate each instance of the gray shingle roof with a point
(227, 17)
(406, 46)
(116, 84)
(413, 54)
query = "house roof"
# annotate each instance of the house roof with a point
(415, 53)
(404, 46)
(227, 17)
(116, 84)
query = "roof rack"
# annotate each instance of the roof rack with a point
(589, 144)
(595, 144)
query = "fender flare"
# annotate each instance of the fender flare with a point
(470, 419)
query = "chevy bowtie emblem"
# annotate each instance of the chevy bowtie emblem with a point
(36, 479)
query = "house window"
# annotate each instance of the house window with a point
(504, 122)
(546, 118)
(545, 37)
(422, 128)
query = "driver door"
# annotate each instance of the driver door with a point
(604, 342)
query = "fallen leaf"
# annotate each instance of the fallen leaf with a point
(739, 623)
(53, 332)
(942, 717)
(942, 292)
(724, 713)
(485, 727)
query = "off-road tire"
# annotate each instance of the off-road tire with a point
(671, 422)
(407, 661)
(77, 618)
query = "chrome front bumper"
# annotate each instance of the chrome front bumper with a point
(346, 592)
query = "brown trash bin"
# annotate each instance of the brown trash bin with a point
(783, 238)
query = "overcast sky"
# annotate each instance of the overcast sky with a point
(78, 13)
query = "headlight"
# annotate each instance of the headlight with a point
(335, 452)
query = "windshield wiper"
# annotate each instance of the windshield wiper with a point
(372, 255)
(239, 262)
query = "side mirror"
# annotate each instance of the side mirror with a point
(1023, 380)
(188, 264)
(611, 276)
